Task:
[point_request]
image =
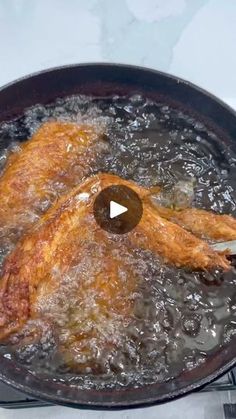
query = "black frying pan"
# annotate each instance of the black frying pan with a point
(106, 80)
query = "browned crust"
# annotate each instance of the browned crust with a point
(56, 237)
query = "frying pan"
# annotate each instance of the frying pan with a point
(106, 80)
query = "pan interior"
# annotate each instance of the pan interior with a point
(180, 318)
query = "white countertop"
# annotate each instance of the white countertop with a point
(194, 39)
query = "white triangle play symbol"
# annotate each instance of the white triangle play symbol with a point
(116, 209)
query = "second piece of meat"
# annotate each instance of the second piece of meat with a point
(202, 223)
(55, 159)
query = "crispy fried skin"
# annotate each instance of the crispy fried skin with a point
(64, 237)
(201, 223)
(55, 159)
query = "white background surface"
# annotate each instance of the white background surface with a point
(194, 39)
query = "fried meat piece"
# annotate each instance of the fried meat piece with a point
(55, 159)
(202, 223)
(68, 254)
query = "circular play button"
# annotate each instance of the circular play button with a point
(117, 209)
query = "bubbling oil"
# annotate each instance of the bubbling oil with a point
(177, 319)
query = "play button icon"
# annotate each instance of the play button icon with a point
(117, 209)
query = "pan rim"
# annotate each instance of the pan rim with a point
(170, 76)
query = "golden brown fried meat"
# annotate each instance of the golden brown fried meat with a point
(203, 224)
(177, 246)
(67, 243)
(55, 159)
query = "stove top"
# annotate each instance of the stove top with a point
(13, 399)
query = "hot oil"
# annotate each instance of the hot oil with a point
(176, 319)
